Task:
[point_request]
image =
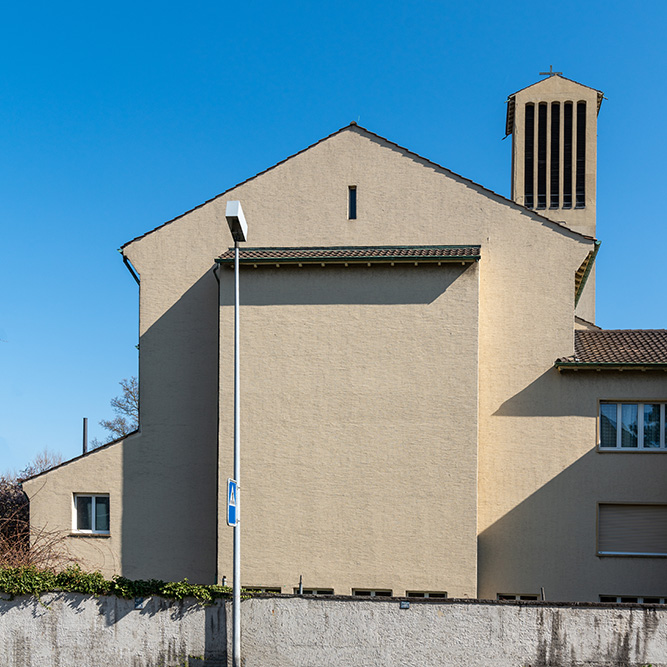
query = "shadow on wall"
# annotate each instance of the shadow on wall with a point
(169, 471)
(335, 285)
(549, 540)
(549, 395)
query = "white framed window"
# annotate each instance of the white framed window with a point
(641, 599)
(315, 591)
(627, 426)
(371, 592)
(91, 513)
(264, 589)
(425, 594)
(512, 596)
(632, 529)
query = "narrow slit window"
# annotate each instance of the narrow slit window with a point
(581, 154)
(352, 202)
(529, 158)
(555, 156)
(542, 156)
(567, 155)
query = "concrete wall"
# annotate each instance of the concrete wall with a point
(78, 631)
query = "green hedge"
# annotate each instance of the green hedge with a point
(32, 581)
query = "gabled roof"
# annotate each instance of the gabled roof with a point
(509, 121)
(620, 349)
(81, 456)
(362, 130)
(354, 255)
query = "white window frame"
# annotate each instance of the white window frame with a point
(526, 597)
(314, 591)
(276, 590)
(93, 531)
(638, 599)
(372, 592)
(436, 595)
(662, 447)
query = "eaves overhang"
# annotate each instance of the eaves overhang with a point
(346, 255)
(591, 366)
(582, 273)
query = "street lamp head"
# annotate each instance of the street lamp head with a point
(236, 221)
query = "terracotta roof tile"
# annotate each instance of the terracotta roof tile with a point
(637, 347)
(353, 254)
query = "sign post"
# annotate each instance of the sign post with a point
(239, 229)
(232, 511)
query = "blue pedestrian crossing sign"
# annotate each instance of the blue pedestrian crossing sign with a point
(232, 502)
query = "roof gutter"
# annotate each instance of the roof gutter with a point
(130, 268)
(609, 366)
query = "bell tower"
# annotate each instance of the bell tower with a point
(553, 124)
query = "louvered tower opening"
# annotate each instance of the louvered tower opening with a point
(555, 155)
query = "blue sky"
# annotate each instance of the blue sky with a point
(117, 117)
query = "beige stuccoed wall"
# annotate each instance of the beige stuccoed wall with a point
(359, 427)
(526, 301)
(522, 289)
(51, 507)
(538, 524)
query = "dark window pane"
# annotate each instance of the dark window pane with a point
(607, 598)
(628, 599)
(352, 202)
(608, 425)
(84, 512)
(651, 600)
(652, 425)
(629, 425)
(102, 513)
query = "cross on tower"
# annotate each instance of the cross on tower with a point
(550, 72)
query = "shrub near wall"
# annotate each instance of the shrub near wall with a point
(33, 581)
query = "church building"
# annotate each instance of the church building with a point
(427, 405)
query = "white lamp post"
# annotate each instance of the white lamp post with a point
(239, 229)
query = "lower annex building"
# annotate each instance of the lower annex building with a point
(428, 406)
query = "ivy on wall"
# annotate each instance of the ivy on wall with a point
(16, 581)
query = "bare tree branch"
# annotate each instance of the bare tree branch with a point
(126, 407)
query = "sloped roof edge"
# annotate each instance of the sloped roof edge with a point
(617, 348)
(81, 456)
(560, 76)
(509, 121)
(354, 255)
(353, 125)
